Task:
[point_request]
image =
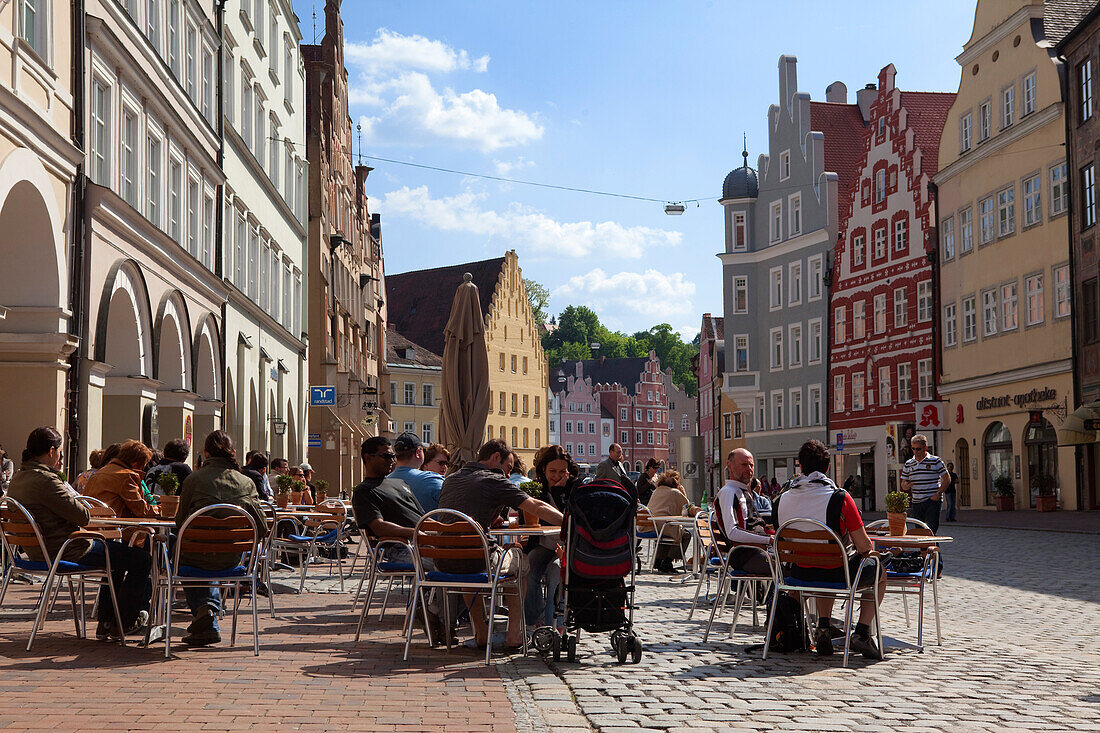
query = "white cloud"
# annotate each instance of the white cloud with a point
(508, 167)
(390, 50)
(525, 227)
(650, 293)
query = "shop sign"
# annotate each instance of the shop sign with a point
(931, 415)
(840, 441)
(1019, 400)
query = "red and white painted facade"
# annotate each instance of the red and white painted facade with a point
(883, 305)
(640, 411)
(579, 418)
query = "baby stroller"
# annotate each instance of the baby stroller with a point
(599, 555)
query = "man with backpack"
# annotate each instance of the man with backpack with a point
(813, 495)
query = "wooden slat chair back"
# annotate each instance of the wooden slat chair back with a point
(817, 548)
(643, 520)
(205, 533)
(458, 540)
(97, 508)
(19, 529)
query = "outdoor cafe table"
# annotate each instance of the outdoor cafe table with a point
(908, 541)
(161, 529)
(542, 530)
(687, 523)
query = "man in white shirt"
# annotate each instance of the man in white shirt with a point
(736, 513)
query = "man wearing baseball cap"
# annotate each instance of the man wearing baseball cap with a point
(425, 485)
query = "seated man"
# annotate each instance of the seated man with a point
(256, 469)
(425, 485)
(481, 490)
(58, 513)
(737, 517)
(173, 461)
(813, 495)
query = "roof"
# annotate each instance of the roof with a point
(927, 113)
(714, 327)
(740, 183)
(1062, 16)
(419, 302)
(843, 126)
(397, 347)
(625, 370)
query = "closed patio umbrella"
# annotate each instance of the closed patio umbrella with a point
(465, 375)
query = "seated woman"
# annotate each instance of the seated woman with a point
(557, 473)
(669, 498)
(119, 483)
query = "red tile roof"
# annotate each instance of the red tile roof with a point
(927, 113)
(419, 302)
(397, 352)
(843, 127)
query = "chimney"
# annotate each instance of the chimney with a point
(864, 97)
(837, 93)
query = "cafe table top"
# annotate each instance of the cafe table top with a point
(132, 522)
(674, 519)
(543, 530)
(909, 540)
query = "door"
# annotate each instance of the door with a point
(962, 464)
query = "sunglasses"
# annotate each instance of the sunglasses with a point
(386, 456)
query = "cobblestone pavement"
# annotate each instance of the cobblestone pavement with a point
(1020, 615)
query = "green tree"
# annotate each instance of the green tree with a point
(539, 298)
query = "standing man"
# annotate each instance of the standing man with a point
(425, 485)
(949, 492)
(612, 468)
(925, 478)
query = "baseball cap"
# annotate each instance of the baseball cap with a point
(306, 467)
(407, 441)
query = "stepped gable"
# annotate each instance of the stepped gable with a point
(843, 127)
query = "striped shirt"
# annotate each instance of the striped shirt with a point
(925, 476)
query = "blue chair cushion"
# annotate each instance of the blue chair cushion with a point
(647, 535)
(716, 561)
(325, 539)
(396, 567)
(890, 574)
(824, 584)
(40, 566)
(189, 571)
(440, 577)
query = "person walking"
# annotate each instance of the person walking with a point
(949, 493)
(612, 468)
(925, 478)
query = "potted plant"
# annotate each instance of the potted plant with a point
(322, 490)
(1045, 500)
(535, 490)
(305, 496)
(897, 503)
(169, 483)
(1004, 493)
(283, 486)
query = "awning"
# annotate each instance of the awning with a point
(1076, 431)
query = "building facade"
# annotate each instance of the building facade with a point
(710, 372)
(40, 159)
(881, 351)
(781, 222)
(419, 304)
(263, 229)
(416, 387)
(1004, 274)
(1079, 49)
(578, 416)
(346, 314)
(683, 419)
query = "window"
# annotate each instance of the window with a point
(153, 180)
(288, 74)
(880, 243)
(622, 414)
(101, 133)
(950, 325)
(989, 313)
(814, 285)
(515, 403)
(393, 399)
(1009, 312)
(777, 411)
(239, 244)
(776, 293)
(794, 274)
(1088, 196)
(905, 386)
(776, 231)
(193, 205)
(901, 307)
(760, 410)
(637, 437)
(859, 320)
(880, 313)
(190, 65)
(258, 24)
(901, 235)
(970, 319)
(966, 230)
(924, 379)
(33, 28)
(1029, 94)
(274, 152)
(738, 425)
(428, 395)
(513, 363)
(591, 428)
(1090, 301)
(265, 281)
(426, 433)
(795, 334)
(784, 165)
(795, 204)
(1061, 291)
(624, 437)
(525, 365)
(885, 396)
(740, 233)
(229, 86)
(815, 341)
(815, 405)
(857, 391)
(208, 232)
(174, 37)
(1008, 106)
(273, 39)
(538, 405)
(526, 407)
(410, 393)
(637, 415)
(880, 185)
(502, 408)
(410, 427)
(838, 393)
(253, 263)
(796, 407)
(777, 348)
(988, 220)
(857, 250)
(947, 238)
(924, 301)
(1033, 208)
(741, 294)
(741, 353)
(1084, 87)
(208, 84)
(649, 437)
(985, 121)
(1035, 300)
(966, 132)
(502, 361)
(260, 141)
(1006, 212)
(839, 319)
(246, 110)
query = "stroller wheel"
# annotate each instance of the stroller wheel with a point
(615, 641)
(543, 639)
(556, 647)
(635, 649)
(571, 649)
(622, 648)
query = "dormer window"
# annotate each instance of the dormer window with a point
(784, 165)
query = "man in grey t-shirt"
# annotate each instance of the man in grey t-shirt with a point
(925, 478)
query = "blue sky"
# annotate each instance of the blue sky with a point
(642, 98)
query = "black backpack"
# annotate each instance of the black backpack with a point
(788, 633)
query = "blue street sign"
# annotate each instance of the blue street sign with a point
(322, 396)
(314, 440)
(840, 441)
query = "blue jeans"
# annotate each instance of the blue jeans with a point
(950, 501)
(130, 568)
(927, 511)
(540, 603)
(204, 596)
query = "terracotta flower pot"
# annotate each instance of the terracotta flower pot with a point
(169, 505)
(295, 497)
(321, 497)
(282, 500)
(896, 521)
(1005, 503)
(1046, 503)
